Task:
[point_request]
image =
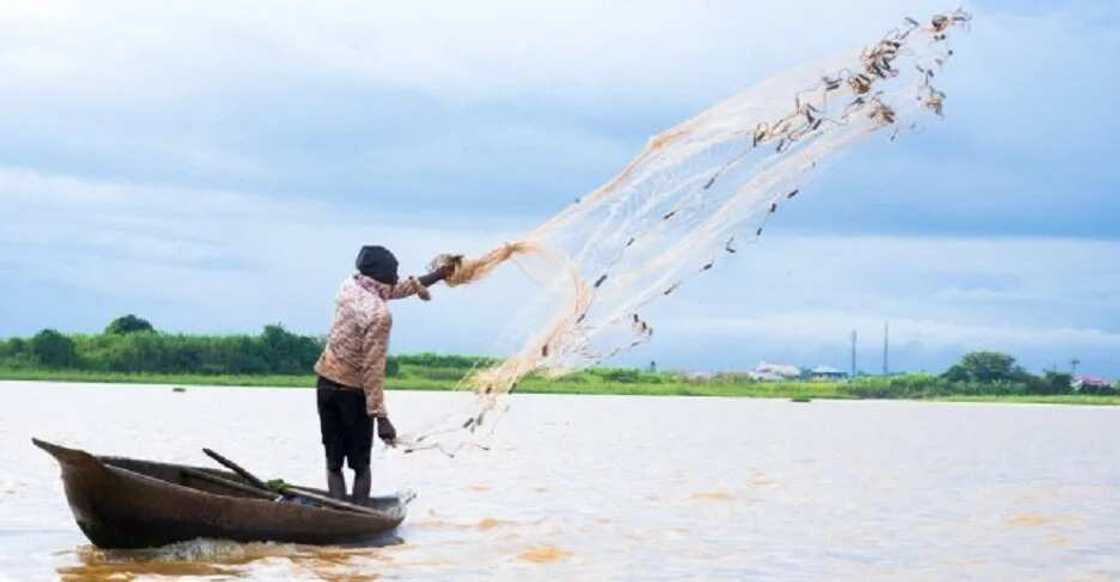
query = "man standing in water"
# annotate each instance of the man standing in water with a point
(352, 367)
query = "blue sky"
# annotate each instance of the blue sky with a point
(214, 168)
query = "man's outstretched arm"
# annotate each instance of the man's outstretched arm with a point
(419, 285)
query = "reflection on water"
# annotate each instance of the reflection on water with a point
(542, 554)
(748, 489)
(186, 559)
(97, 572)
(490, 523)
(212, 558)
(1035, 520)
(713, 496)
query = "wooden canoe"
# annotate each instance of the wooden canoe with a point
(129, 503)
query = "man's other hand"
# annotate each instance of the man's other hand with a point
(386, 431)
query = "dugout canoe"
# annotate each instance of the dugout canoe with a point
(130, 503)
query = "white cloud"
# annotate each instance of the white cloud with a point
(798, 297)
(492, 101)
(126, 49)
(114, 107)
(930, 334)
(204, 260)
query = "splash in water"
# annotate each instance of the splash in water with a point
(699, 193)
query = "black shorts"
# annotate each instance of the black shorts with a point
(347, 429)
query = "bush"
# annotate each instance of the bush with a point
(620, 375)
(392, 367)
(452, 374)
(12, 348)
(16, 353)
(274, 351)
(627, 376)
(287, 353)
(985, 367)
(734, 378)
(429, 360)
(51, 349)
(1050, 383)
(128, 324)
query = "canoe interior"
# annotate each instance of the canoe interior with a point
(172, 473)
(119, 502)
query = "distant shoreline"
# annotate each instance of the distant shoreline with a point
(783, 390)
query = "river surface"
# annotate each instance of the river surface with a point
(608, 488)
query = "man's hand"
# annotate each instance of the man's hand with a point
(386, 431)
(441, 267)
(436, 276)
(432, 278)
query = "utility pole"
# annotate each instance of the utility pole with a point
(854, 337)
(886, 348)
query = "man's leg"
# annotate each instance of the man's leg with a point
(336, 482)
(360, 453)
(362, 481)
(331, 427)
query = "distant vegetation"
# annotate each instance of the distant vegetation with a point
(132, 346)
(131, 350)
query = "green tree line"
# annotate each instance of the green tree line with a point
(981, 373)
(131, 344)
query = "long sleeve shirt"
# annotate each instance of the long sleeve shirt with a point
(359, 339)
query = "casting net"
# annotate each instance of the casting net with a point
(697, 194)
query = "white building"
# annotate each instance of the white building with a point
(767, 371)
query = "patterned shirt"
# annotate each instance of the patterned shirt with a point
(356, 347)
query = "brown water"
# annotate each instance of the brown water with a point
(600, 487)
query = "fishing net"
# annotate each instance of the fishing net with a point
(697, 194)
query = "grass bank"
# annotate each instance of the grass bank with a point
(593, 382)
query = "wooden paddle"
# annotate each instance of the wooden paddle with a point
(255, 492)
(286, 489)
(328, 501)
(236, 469)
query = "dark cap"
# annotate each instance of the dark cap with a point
(377, 262)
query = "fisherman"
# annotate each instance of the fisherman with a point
(351, 369)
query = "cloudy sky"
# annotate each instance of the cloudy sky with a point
(214, 168)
